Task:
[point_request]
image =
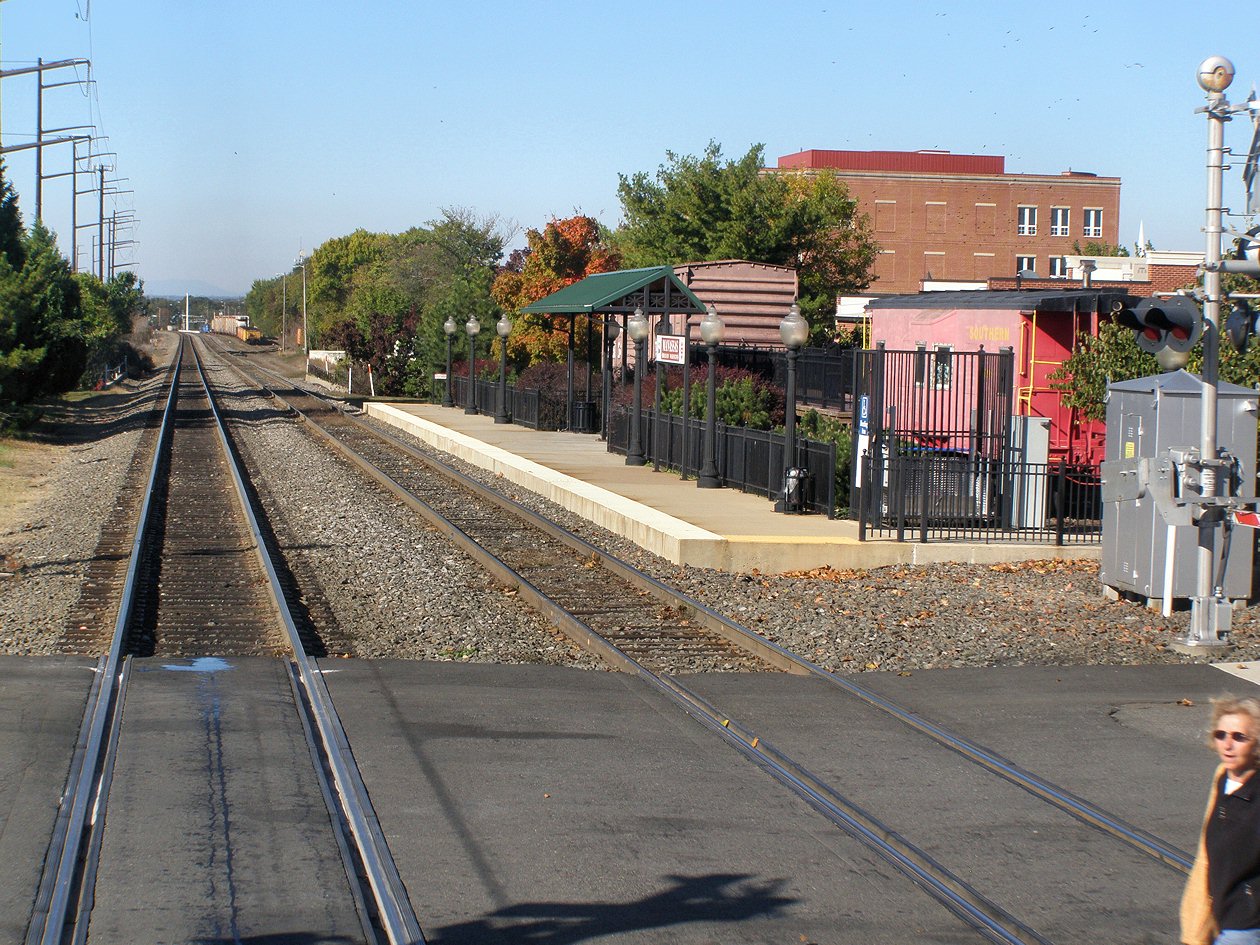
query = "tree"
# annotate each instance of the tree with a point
(1112, 355)
(12, 233)
(384, 296)
(708, 208)
(560, 254)
(1100, 248)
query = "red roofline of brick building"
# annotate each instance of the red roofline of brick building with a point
(922, 162)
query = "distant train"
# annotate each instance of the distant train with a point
(237, 325)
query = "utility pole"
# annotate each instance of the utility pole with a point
(100, 227)
(284, 306)
(40, 142)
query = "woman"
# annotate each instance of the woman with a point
(1221, 904)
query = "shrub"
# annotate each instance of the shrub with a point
(551, 377)
(744, 398)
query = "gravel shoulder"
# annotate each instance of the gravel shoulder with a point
(59, 486)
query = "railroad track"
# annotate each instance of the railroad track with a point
(640, 625)
(200, 583)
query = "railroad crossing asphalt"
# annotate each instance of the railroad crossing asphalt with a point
(555, 805)
(561, 806)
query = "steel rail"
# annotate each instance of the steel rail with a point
(972, 907)
(1077, 807)
(394, 911)
(84, 796)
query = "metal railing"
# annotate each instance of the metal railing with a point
(933, 495)
(526, 407)
(748, 460)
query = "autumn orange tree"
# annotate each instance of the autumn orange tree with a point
(558, 255)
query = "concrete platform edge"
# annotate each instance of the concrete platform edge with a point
(647, 527)
(685, 543)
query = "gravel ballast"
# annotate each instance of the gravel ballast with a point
(47, 543)
(395, 588)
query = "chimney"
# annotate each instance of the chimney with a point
(1087, 272)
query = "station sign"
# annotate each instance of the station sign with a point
(672, 349)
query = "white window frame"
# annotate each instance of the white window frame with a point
(1026, 220)
(1020, 268)
(942, 366)
(1058, 266)
(920, 363)
(1060, 221)
(1093, 231)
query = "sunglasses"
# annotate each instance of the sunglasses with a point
(1238, 738)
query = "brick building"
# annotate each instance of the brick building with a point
(961, 217)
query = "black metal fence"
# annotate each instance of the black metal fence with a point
(939, 398)
(930, 495)
(749, 460)
(826, 378)
(527, 407)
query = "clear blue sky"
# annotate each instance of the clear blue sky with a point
(251, 130)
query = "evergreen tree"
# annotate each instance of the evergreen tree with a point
(12, 233)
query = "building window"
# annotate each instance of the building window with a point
(933, 265)
(942, 366)
(934, 211)
(920, 363)
(983, 265)
(1059, 225)
(1027, 221)
(885, 216)
(886, 265)
(986, 215)
(1058, 267)
(1025, 265)
(1093, 223)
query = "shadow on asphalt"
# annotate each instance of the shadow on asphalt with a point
(712, 898)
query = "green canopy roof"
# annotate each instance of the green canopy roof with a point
(655, 290)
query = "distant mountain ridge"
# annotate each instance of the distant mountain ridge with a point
(174, 289)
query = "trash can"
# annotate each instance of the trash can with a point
(585, 416)
(798, 490)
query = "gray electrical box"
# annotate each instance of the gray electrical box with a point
(1146, 419)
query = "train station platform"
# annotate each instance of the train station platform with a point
(723, 529)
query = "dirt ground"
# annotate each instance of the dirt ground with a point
(25, 479)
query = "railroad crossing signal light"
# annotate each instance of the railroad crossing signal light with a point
(1240, 324)
(1167, 328)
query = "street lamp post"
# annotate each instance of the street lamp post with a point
(450, 328)
(611, 331)
(794, 330)
(711, 331)
(504, 328)
(686, 396)
(637, 329)
(472, 326)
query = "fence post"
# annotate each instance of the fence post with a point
(863, 512)
(924, 491)
(1060, 490)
